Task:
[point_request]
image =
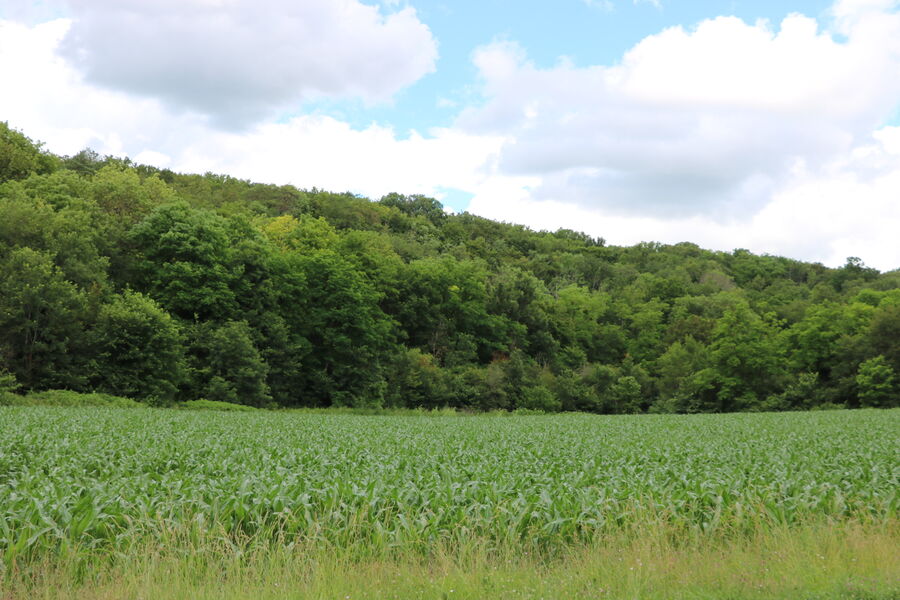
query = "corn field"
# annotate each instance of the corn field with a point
(97, 479)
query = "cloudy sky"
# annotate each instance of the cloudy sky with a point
(772, 125)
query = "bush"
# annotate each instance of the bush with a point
(878, 384)
(69, 398)
(139, 349)
(8, 385)
(204, 404)
(539, 399)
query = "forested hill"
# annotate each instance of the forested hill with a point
(163, 287)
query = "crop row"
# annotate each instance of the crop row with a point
(101, 477)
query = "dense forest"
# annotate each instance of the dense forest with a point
(162, 287)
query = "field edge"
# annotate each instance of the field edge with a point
(815, 562)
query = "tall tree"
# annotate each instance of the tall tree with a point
(41, 322)
(138, 349)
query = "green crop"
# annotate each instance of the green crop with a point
(101, 477)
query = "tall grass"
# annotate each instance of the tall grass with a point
(814, 561)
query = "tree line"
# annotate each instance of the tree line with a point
(163, 287)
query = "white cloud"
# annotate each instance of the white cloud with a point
(727, 135)
(709, 121)
(53, 103)
(327, 153)
(848, 207)
(239, 61)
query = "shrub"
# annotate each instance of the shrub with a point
(204, 404)
(70, 398)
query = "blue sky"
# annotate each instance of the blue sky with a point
(584, 32)
(768, 125)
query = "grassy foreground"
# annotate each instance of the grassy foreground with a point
(116, 503)
(820, 561)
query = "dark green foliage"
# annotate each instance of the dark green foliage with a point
(336, 310)
(8, 385)
(227, 366)
(160, 286)
(883, 335)
(42, 318)
(138, 349)
(746, 359)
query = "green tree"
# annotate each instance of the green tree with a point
(442, 309)
(41, 321)
(878, 384)
(417, 206)
(8, 384)
(883, 334)
(125, 196)
(746, 363)
(677, 365)
(589, 321)
(227, 366)
(625, 395)
(335, 309)
(524, 303)
(20, 157)
(138, 349)
(184, 260)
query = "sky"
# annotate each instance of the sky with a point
(771, 125)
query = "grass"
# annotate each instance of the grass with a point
(816, 561)
(111, 503)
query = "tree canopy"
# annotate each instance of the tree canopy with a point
(161, 286)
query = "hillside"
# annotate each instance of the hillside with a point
(163, 287)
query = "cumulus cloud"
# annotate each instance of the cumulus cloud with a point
(69, 113)
(239, 61)
(727, 135)
(317, 151)
(710, 121)
(847, 207)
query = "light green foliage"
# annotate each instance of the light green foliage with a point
(303, 235)
(677, 364)
(104, 479)
(625, 395)
(70, 399)
(581, 318)
(71, 236)
(647, 330)
(204, 404)
(20, 157)
(444, 310)
(121, 193)
(539, 398)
